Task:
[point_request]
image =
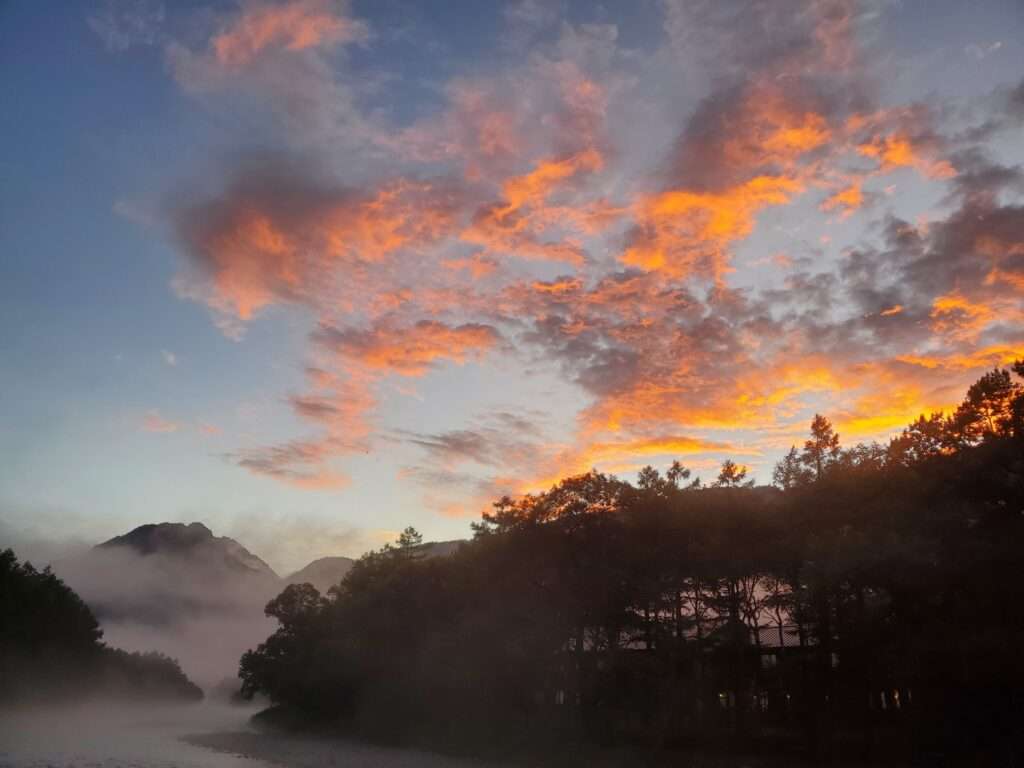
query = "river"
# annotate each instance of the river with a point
(197, 736)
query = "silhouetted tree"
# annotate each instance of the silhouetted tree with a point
(822, 449)
(51, 645)
(883, 584)
(409, 538)
(790, 471)
(732, 475)
(988, 407)
(677, 474)
(924, 438)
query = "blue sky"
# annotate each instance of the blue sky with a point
(312, 271)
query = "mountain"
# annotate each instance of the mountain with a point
(329, 571)
(178, 589)
(323, 573)
(194, 596)
(195, 542)
(176, 570)
(442, 548)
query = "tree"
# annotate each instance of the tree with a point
(861, 577)
(406, 547)
(732, 475)
(822, 449)
(864, 456)
(39, 611)
(409, 538)
(51, 645)
(294, 606)
(987, 410)
(571, 499)
(790, 471)
(1017, 405)
(922, 439)
(677, 474)
(649, 479)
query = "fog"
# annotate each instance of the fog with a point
(114, 734)
(199, 613)
(207, 735)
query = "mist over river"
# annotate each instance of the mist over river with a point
(104, 735)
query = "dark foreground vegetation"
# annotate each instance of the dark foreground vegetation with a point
(869, 607)
(51, 647)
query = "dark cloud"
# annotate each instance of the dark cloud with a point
(499, 440)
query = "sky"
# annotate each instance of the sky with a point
(311, 271)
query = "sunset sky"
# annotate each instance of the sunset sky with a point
(312, 271)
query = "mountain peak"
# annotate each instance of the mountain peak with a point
(191, 540)
(162, 537)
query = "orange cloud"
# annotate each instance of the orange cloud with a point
(974, 360)
(695, 395)
(517, 224)
(955, 316)
(316, 481)
(896, 151)
(559, 287)
(1005, 254)
(477, 265)
(624, 455)
(534, 187)
(846, 200)
(291, 26)
(409, 351)
(682, 232)
(891, 396)
(740, 154)
(501, 232)
(273, 239)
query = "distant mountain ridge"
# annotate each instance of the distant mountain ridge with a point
(326, 572)
(198, 597)
(322, 573)
(197, 543)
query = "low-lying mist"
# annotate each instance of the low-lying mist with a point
(197, 612)
(112, 731)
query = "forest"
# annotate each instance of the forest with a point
(868, 605)
(52, 649)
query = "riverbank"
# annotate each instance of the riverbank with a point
(113, 734)
(305, 751)
(313, 751)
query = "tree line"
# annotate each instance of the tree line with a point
(869, 603)
(51, 647)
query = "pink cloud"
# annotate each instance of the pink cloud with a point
(154, 422)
